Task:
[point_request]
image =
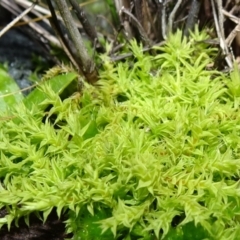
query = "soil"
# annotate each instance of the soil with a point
(17, 49)
(52, 229)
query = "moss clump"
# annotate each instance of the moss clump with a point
(152, 152)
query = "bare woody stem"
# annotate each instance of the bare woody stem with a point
(87, 26)
(86, 64)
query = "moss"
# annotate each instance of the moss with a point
(151, 152)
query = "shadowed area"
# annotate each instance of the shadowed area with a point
(52, 229)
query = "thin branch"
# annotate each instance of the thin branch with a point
(87, 26)
(11, 24)
(220, 17)
(86, 64)
(13, 8)
(231, 17)
(128, 31)
(172, 16)
(233, 34)
(64, 42)
(163, 20)
(26, 3)
(138, 25)
(221, 39)
(236, 30)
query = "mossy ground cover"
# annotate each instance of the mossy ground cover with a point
(152, 152)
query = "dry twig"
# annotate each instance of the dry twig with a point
(11, 24)
(220, 34)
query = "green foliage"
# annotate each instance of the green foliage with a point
(8, 86)
(113, 11)
(151, 153)
(57, 83)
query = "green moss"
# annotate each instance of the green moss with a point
(151, 152)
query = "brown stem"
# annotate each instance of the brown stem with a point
(64, 42)
(87, 26)
(86, 64)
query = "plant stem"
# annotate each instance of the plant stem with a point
(86, 63)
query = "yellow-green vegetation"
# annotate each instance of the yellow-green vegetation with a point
(152, 152)
(8, 86)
